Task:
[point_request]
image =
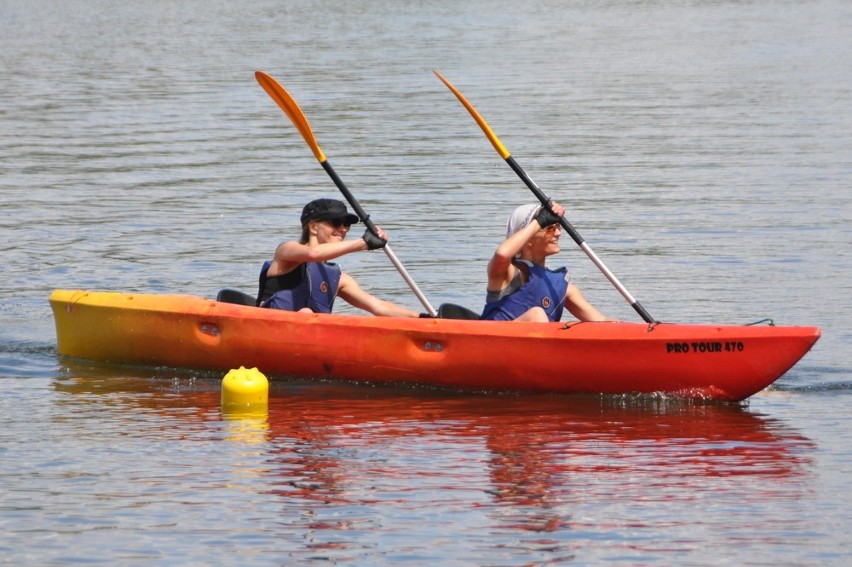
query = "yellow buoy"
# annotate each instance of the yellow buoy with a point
(245, 388)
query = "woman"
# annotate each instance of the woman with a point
(300, 276)
(520, 287)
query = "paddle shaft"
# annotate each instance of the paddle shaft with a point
(286, 102)
(365, 218)
(545, 201)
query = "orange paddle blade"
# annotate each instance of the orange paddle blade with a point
(283, 99)
(501, 149)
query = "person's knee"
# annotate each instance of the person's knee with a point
(534, 315)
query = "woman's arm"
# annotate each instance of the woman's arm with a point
(579, 307)
(500, 267)
(352, 293)
(298, 253)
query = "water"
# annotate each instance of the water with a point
(703, 150)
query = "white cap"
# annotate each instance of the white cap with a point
(521, 217)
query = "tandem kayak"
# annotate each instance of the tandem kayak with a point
(724, 362)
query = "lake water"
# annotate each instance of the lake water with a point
(703, 149)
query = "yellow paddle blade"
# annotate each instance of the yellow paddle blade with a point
(283, 99)
(501, 149)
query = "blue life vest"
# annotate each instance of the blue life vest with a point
(316, 290)
(544, 288)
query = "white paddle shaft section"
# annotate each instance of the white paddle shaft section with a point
(409, 280)
(606, 271)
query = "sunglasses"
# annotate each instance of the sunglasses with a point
(552, 229)
(337, 223)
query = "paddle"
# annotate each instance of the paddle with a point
(545, 200)
(283, 99)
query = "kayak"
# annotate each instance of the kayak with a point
(719, 362)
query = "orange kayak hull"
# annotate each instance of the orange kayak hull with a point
(725, 362)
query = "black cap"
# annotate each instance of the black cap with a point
(327, 209)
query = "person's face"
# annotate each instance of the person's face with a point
(331, 230)
(546, 240)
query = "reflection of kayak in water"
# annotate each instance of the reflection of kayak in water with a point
(704, 361)
(323, 439)
(710, 439)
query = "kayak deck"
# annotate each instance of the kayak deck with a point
(726, 362)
